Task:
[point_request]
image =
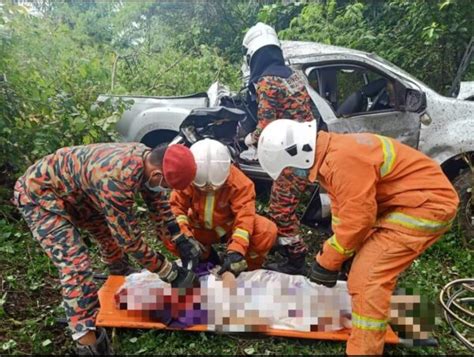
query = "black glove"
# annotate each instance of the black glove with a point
(233, 262)
(322, 276)
(190, 251)
(177, 276)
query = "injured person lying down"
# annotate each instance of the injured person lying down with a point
(253, 302)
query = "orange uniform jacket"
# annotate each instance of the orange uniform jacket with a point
(374, 181)
(230, 208)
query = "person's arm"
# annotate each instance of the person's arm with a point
(180, 202)
(159, 210)
(117, 199)
(269, 95)
(243, 207)
(353, 185)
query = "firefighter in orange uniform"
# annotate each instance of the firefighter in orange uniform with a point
(219, 207)
(389, 203)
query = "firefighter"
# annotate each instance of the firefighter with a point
(389, 204)
(280, 93)
(93, 187)
(219, 207)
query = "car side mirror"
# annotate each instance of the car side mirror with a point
(415, 101)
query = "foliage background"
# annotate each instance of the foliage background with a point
(56, 57)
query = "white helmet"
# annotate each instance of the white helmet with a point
(213, 163)
(286, 142)
(258, 36)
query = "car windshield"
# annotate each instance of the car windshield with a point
(406, 74)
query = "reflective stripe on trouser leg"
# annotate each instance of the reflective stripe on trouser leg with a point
(63, 245)
(284, 198)
(372, 279)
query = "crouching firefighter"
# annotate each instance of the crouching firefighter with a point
(389, 204)
(219, 207)
(93, 188)
(280, 93)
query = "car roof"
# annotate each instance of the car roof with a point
(292, 49)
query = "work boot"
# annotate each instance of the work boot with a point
(121, 267)
(293, 262)
(100, 348)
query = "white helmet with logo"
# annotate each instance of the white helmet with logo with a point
(213, 163)
(285, 143)
(258, 36)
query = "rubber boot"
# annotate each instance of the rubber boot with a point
(100, 348)
(293, 262)
(121, 267)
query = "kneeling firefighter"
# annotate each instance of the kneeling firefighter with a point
(219, 207)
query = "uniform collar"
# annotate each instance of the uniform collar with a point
(322, 144)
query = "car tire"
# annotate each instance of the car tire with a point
(464, 185)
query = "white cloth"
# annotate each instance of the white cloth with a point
(280, 301)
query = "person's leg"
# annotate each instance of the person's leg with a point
(372, 280)
(285, 196)
(262, 240)
(62, 243)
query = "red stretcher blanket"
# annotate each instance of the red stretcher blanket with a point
(127, 303)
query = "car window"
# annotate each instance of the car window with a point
(353, 90)
(348, 80)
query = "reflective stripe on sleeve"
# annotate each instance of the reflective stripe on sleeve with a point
(339, 248)
(388, 155)
(182, 219)
(335, 220)
(241, 233)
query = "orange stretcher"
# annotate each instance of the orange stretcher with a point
(110, 316)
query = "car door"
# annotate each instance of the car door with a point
(381, 110)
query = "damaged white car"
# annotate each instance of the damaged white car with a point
(353, 91)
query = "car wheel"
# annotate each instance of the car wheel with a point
(464, 185)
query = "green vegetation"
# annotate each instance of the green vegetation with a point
(56, 60)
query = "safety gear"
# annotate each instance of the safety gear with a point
(177, 276)
(396, 187)
(383, 256)
(293, 259)
(233, 262)
(262, 240)
(249, 140)
(322, 276)
(121, 267)
(389, 204)
(57, 206)
(258, 36)
(213, 162)
(179, 166)
(102, 347)
(213, 257)
(228, 210)
(158, 188)
(190, 250)
(287, 143)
